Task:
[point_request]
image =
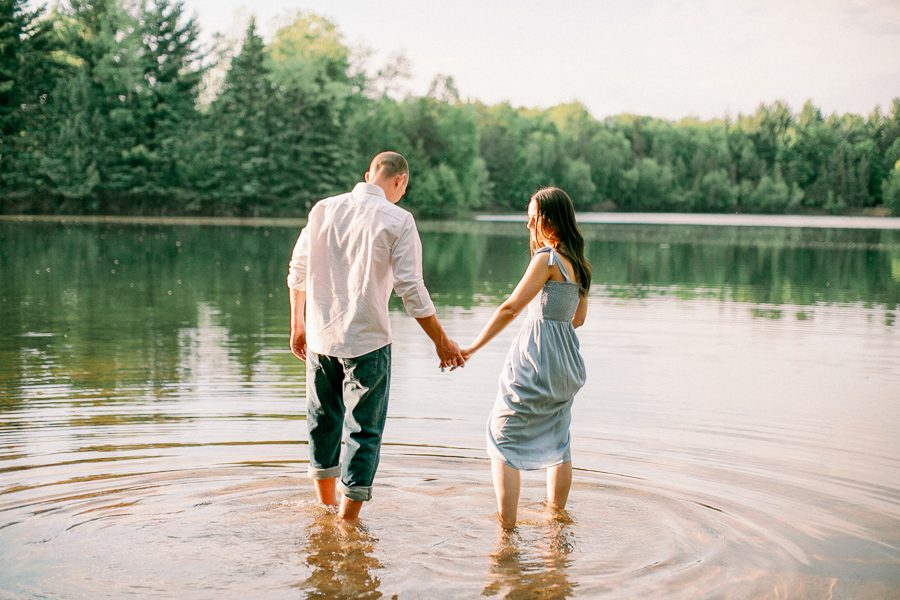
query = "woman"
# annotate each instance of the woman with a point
(529, 425)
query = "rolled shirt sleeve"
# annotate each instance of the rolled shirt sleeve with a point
(296, 279)
(406, 260)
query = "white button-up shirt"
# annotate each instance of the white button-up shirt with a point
(354, 249)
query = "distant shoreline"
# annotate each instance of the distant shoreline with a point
(726, 220)
(585, 218)
(151, 220)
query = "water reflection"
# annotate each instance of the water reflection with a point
(114, 309)
(108, 314)
(341, 556)
(534, 564)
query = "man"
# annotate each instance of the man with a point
(354, 249)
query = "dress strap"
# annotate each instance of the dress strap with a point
(554, 260)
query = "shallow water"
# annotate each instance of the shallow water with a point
(737, 437)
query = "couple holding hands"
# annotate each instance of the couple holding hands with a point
(354, 250)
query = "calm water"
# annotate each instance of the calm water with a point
(739, 434)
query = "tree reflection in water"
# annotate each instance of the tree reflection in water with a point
(341, 556)
(534, 563)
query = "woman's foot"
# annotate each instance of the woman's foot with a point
(507, 523)
(560, 515)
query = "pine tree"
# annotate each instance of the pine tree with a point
(27, 74)
(69, 164)
(171, 79)
(241, 150)
(101, 38)
(314, 101)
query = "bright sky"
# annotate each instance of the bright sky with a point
(670, 59)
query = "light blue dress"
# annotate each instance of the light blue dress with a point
(529, 425)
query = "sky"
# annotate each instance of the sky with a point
(670, 59)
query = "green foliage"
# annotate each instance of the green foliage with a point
(29, 69)
(771, 195)
(646, 185)
(309, 53)
(167, 96)
(238, 151)
(99, 113)
(716, 193)
(891, 190)
(439, 193)
(578, 183)
(69, 166)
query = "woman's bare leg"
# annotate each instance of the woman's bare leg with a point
(506, 487)
(559, 481)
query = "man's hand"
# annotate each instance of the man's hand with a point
(298, 323)
(448, 352)
(298, 342)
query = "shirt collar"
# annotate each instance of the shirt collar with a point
(367, 189)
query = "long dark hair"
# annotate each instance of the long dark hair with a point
(556, 215)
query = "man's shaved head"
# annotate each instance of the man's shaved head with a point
(390, 163)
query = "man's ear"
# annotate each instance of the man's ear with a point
(366, 176)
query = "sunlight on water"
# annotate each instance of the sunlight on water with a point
(737, 436)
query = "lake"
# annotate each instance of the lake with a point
(738, 435)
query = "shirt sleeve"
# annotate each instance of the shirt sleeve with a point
(296, 279)
(406, 260)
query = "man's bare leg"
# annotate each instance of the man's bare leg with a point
(325, 490)
(350, 508)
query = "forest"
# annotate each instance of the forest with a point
(117, 107)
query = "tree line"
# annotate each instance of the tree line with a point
(107, 107)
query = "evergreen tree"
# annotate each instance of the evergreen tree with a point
(240, 155)
(70, 162)
(315, 97)
(101, 38)
(171, 78)
(28, 71)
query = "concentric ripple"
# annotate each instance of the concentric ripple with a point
(731, 441)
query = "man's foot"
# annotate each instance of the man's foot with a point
(325, 491)
(350, 509)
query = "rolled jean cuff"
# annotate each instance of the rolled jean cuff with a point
(360, 493)
(314, 473)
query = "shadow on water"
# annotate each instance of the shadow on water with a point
(342, 558)
(533, 563)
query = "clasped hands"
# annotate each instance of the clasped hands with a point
(451, 355)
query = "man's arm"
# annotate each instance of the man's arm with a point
(447, 349)
(406, 262)
(296, 281)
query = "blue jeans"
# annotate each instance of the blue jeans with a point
(347, 398)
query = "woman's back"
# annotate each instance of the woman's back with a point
(558, 299)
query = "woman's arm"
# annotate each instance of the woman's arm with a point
(580, 312)
(536, 275)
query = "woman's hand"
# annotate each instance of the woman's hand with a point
(466, 352)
